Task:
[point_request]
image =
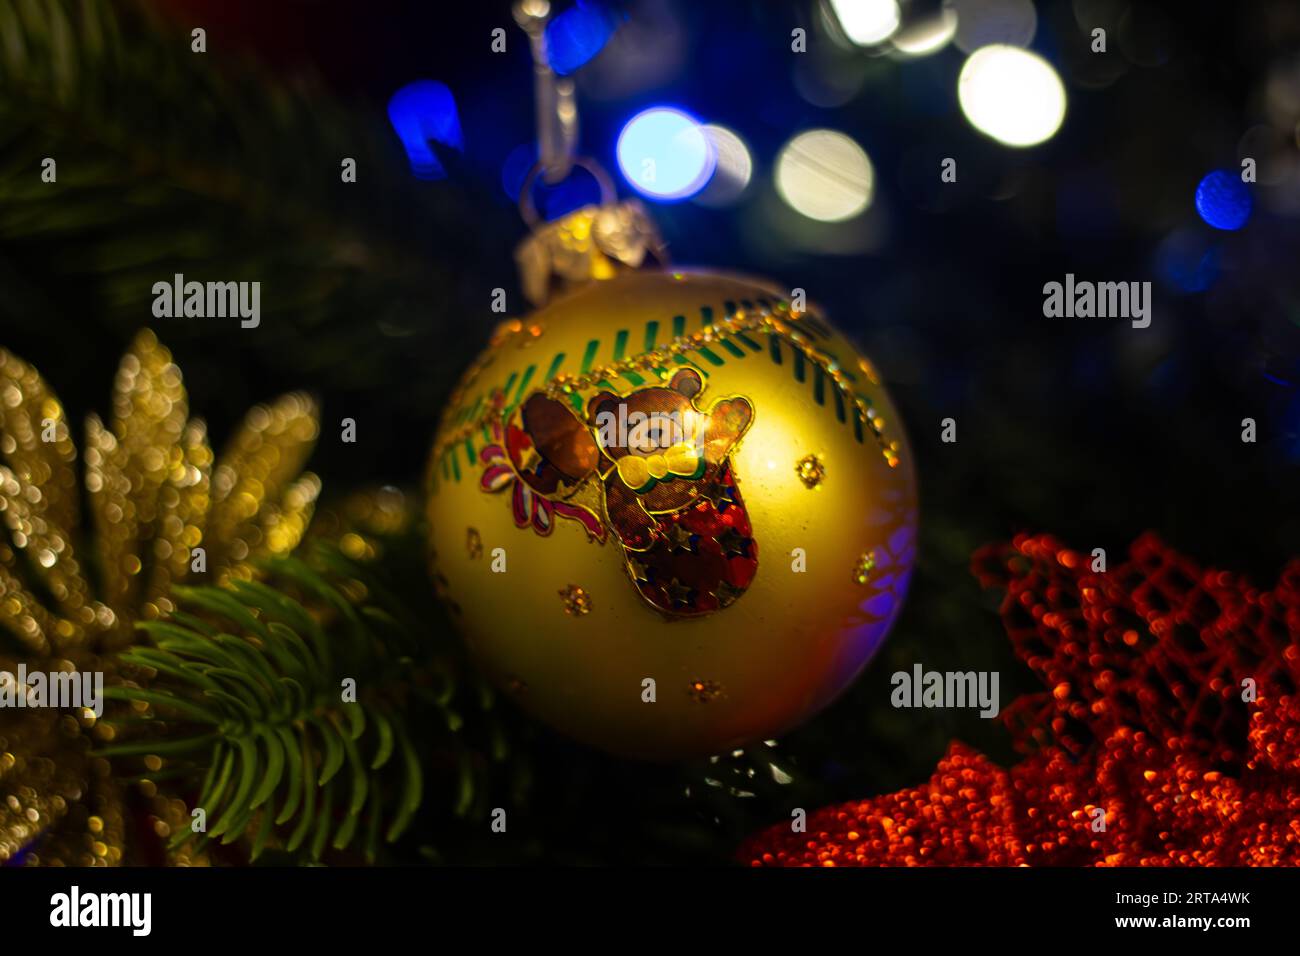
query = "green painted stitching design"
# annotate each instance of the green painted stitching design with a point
(814, 329)
(555, 366)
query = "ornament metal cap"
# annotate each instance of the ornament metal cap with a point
(592, 243)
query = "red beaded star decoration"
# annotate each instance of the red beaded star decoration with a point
(1169, 733)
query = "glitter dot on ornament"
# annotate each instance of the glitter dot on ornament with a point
(811, 470)
(704, 691)
(866, 564)
(577, 601)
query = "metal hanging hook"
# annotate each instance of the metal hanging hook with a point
(528, 207)
(556, 103)
(593, 242)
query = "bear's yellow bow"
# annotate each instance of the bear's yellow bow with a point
(682, 459)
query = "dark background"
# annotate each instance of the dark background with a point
(376, 295)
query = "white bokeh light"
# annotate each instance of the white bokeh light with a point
(825, 176)
(1011, 95)
(867, 22)
(734, 169)
(927, 36)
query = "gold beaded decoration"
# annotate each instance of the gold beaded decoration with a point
(155, 492)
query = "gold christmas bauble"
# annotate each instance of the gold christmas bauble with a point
(671, 513)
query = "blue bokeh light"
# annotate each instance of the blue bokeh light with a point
(422, 112)
(1223, 200)
(666, 154)
(577, 190)
(1188, 260)
(515, 169)
(579, 33)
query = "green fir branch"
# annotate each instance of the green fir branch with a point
(207, 164)
(245, 690)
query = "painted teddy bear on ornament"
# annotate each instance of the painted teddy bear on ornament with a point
(669, 492)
